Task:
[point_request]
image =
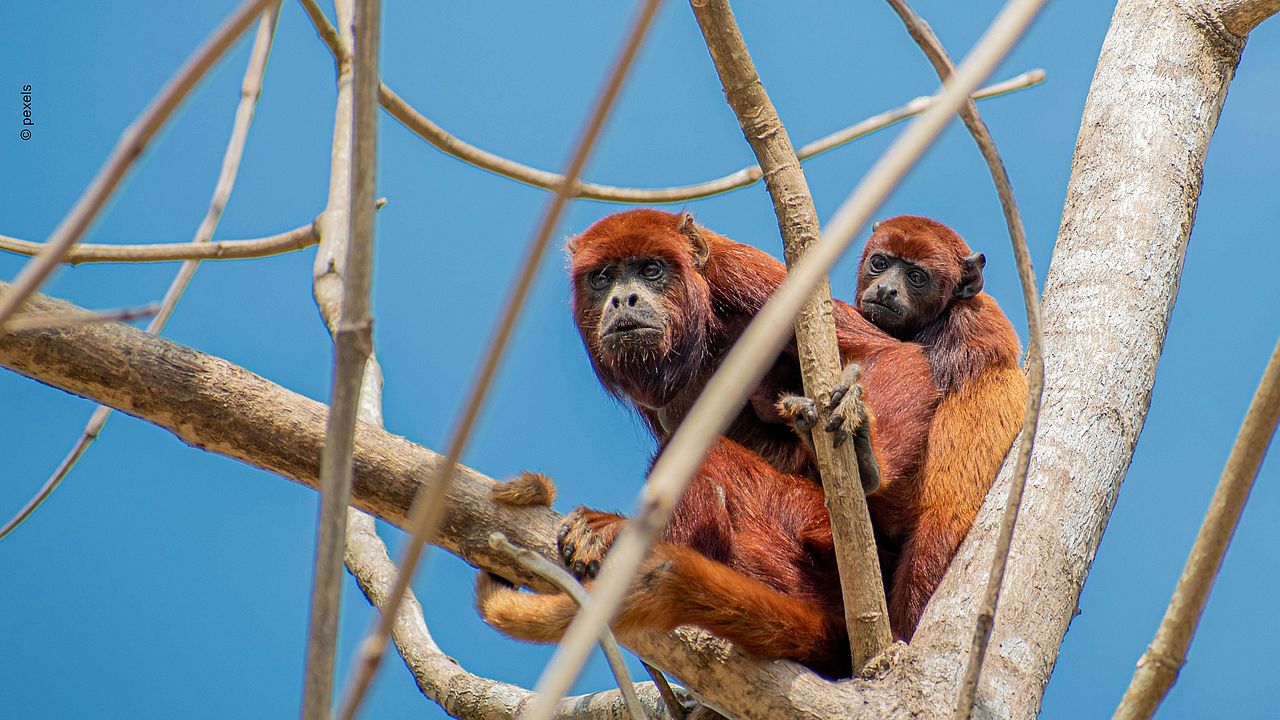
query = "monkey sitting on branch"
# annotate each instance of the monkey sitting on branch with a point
(921, 283)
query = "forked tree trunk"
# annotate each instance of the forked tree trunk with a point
(1154, 103)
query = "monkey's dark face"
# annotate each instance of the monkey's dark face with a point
(642, 303)
(900, 296)
(643, 319)
(627, 297)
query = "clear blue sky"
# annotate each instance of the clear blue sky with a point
(162, 581)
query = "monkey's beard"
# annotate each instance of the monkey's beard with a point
(637, 344)
(643, 364)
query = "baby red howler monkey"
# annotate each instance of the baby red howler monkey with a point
(920, 282)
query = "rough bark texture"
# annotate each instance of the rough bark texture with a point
(1153, 106)
(215, 405)
(865, 613)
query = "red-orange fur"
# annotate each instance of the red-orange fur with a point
(747, 555)
(710, 307)
(762, 571)
(973, 353)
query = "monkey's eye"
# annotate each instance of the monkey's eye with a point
(600, 280)
(651, 270)
(918, 277)
(878, 263)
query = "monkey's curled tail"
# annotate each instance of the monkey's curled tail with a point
(678, 586)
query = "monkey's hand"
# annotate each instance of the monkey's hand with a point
(801, 413)
(847, 411)
(850, 417)
(585, 537)
(847, 416)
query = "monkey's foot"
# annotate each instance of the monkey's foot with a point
(585, 538)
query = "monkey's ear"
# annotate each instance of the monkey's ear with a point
(697, 244)
(970, 276)
(876, 225)
(571, 245)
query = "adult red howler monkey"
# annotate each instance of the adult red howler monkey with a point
(920, 282)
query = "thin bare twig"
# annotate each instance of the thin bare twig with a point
(1158, 668)
(250, 91)
(296, 239)
(937, 55)
(28, 321)
(428, 505)
(485, 160)
(130, 146)
(353, 343)
(865, 613)
(759, 344)
(570, 586)
(326, 31)
(674, 708)
(365, 555)
(451, 145)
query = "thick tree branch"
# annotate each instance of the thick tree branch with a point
(1110, 290)
(866, 616)
(1159, 665)
(127, 150)
(214, 405)
(1238, 17)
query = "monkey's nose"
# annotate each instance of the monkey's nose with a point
(883, 292)
(632, 299)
